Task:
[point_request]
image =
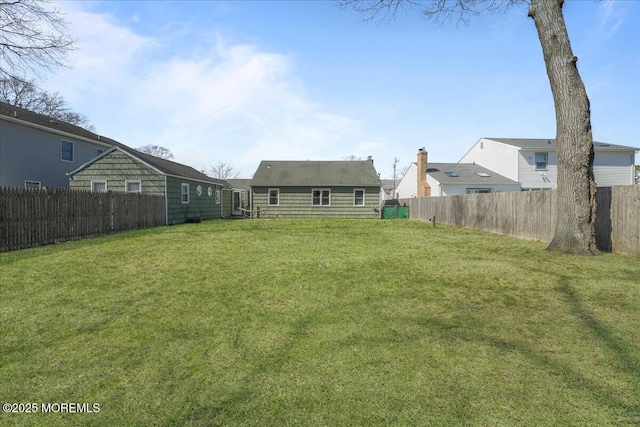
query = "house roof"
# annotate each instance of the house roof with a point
(550, 143)
(164, 166)
(240, 183)
(465, 173)
(43, 120)
(342, 173)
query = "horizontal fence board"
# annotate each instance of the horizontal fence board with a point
(39, 217)
(532, 215)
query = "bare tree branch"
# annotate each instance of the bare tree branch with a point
(32, 38)
(222, 170)
(156, 151)
(25, 94)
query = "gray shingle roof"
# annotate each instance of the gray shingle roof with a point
(241, 183)
(467, 174)
(545, 143)
(165, 166)
(343, 173)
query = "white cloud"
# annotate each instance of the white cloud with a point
(235, 103)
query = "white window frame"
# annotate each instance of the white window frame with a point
(546, 161)
(184, 193)
(132, 181)
(32, 182)
(321, 190)
(479, 190)
(218, 196)
(62, 151)
(99, 181)
(363, 196)
(277, 190)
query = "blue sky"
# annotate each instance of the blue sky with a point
(246, 81)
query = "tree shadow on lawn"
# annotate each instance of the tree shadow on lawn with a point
(231, 406)
(573, 378)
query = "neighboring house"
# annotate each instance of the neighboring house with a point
(450, 179)
(241, 189)
(329, 189)
(189, 194)
(37, 151)
(388, 187)
(533, 162)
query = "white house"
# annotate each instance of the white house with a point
(533, 162)
(449, 179)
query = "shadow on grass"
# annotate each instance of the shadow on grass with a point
(622, 351)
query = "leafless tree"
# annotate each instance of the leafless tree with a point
(222, 170)
(576, 208)
(26, 94)
(351, 158)
(32, 38)
(156, 151)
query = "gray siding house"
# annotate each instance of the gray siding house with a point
(37, 151)
(189, 194)
(316, 189)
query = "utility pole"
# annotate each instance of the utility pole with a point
(395, 162)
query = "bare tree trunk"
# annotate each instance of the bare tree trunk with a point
(576, 215)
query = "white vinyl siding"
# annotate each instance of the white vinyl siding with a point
(495, 156)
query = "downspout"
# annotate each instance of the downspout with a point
(166, 202)
(222, 202)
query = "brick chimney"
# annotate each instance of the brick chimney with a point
(424, 190)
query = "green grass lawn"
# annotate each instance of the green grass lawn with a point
(319, 323)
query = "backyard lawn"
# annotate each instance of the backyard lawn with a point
(318, 323)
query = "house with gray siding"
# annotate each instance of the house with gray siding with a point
(316, 189)
(188, 194)
(37, 151)
(534, 162)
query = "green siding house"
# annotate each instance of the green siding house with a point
(316, 189)
(188, 193)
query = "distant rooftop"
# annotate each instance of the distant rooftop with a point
(540, 143)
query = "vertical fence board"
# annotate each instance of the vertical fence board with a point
(532, 215)
(31, 217)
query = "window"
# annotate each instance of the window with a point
(133, 186)
(98, 186)
(451, 174)
(185, 193)
(274, 197)
(541, 161)
(483, 174)
(199, 190)
(209, 191)
(218, 196)
(358, 197)
(478, 190)
(32, 185)
(321, 198)
(66, 151)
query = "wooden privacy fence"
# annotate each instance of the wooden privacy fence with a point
(31, 217)
(532, 215)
